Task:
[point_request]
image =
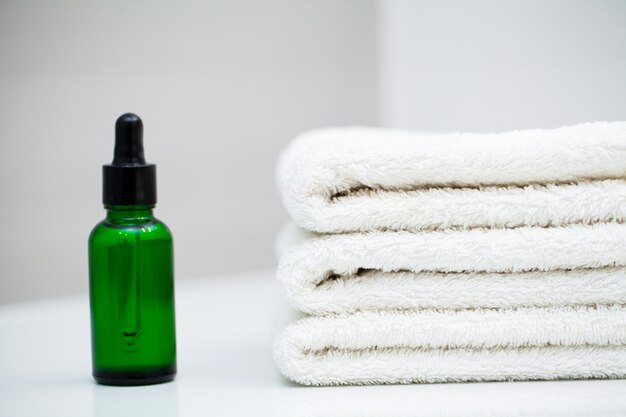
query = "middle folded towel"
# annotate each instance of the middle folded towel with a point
(454, 269)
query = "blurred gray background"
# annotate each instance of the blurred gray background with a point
(222, 86)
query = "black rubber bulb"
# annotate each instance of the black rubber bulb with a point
(128, 141)
(129, 180)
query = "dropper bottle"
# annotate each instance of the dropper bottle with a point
(131, 272)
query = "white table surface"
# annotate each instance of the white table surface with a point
(225, 326)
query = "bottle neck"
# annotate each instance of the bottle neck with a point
(129, 214)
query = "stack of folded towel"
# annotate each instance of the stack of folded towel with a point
(461, 257)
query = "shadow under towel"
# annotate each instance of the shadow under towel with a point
(360, 179)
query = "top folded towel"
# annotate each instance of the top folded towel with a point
(359, 179)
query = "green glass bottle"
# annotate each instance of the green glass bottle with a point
(131, 272)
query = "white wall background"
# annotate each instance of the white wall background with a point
(491, 65)
(223, 85)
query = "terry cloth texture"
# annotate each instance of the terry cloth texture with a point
(530, 266)
(463, 257)
(455, 346)
(359, 179)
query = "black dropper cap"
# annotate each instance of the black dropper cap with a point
(128, 180)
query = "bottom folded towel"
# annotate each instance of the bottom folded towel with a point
(453, 346)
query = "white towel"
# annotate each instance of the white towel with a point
(466, 345)
(358, 179)
(529, 266)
